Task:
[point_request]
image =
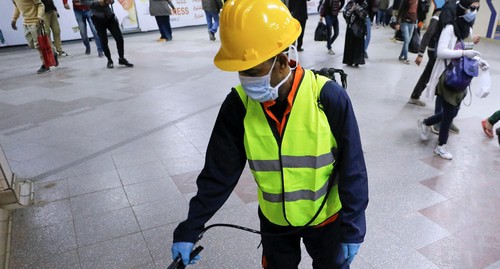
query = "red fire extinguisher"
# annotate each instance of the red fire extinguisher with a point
(46, 48)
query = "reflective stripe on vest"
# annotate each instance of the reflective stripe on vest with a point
(301, 164)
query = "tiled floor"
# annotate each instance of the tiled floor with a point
(115, 154)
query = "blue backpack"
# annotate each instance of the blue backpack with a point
(459, 72)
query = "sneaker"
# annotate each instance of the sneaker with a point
(211, 35)
(424, 130)
(161, 39)
(442, 152)
(110, 65)
(42, 69)
(87, 50)
(406, 61)
(123, 61)
(435, 128)
(330, 51)
(401, 58)
(498, 134)
(417, 102)
(63, 53)
(454, 129)
(366, 55)
(100, 54)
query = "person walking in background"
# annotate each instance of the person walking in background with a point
(372, 10)
(32, 12)
(212, 9)
(356, 12)
(82, 15)
(104, 19)
(488, 124)
(455, 42)
(298, 8)
(382, 13)
(329, 10)
(447, 16)
(277, 104)
(407, 17)
(161, 10)
(51, 22)
(429, 42)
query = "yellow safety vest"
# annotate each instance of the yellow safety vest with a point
(293, 174)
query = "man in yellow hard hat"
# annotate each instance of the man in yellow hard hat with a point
(298, 132)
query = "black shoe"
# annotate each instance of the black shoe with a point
(42, 69)
(87, 50)
(300, 49)
(110, 64)
(498, 134)
(56, 58)
(366, 55)
(211, 35)
(123, 61)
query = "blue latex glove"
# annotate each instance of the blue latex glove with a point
(184, 249)
(350, 251)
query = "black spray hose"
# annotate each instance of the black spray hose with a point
(178, 264)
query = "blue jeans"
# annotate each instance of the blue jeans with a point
(212, 20)
(331, 22)
(381, 17)
(368, 23)
(407, 31)
(83, 16)
(444, 115)
(164, 26)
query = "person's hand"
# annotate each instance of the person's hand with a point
(350, 251)
(184, 249)
(174, 10)
(321, 19)
(470, 53)
(476, 39)
(13, 25)
(483, 64)
(418, 60)
(397, 26)
(40, 20)
(66, 6)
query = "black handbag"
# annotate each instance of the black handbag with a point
(358, 28)
(414, 41)
(321, 32)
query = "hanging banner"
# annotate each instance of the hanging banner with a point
(126, 14)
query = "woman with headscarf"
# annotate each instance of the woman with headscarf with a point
(355, 15)
(455, 41)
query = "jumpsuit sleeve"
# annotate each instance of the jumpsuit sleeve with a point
(40, 8)
(353, 178)
(224, 162)
(431, 30)
(16, 14)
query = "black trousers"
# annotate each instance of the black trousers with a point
(424, 78)
(301, 36)
(283, 252)
(111, 24)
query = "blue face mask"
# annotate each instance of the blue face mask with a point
(259, 88)
(470, 16)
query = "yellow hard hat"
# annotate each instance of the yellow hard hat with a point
(253, 31)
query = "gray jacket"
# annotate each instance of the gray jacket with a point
(211, 5)
(160, 7)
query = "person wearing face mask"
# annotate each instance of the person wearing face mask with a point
(299, 135)
(455, 41)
